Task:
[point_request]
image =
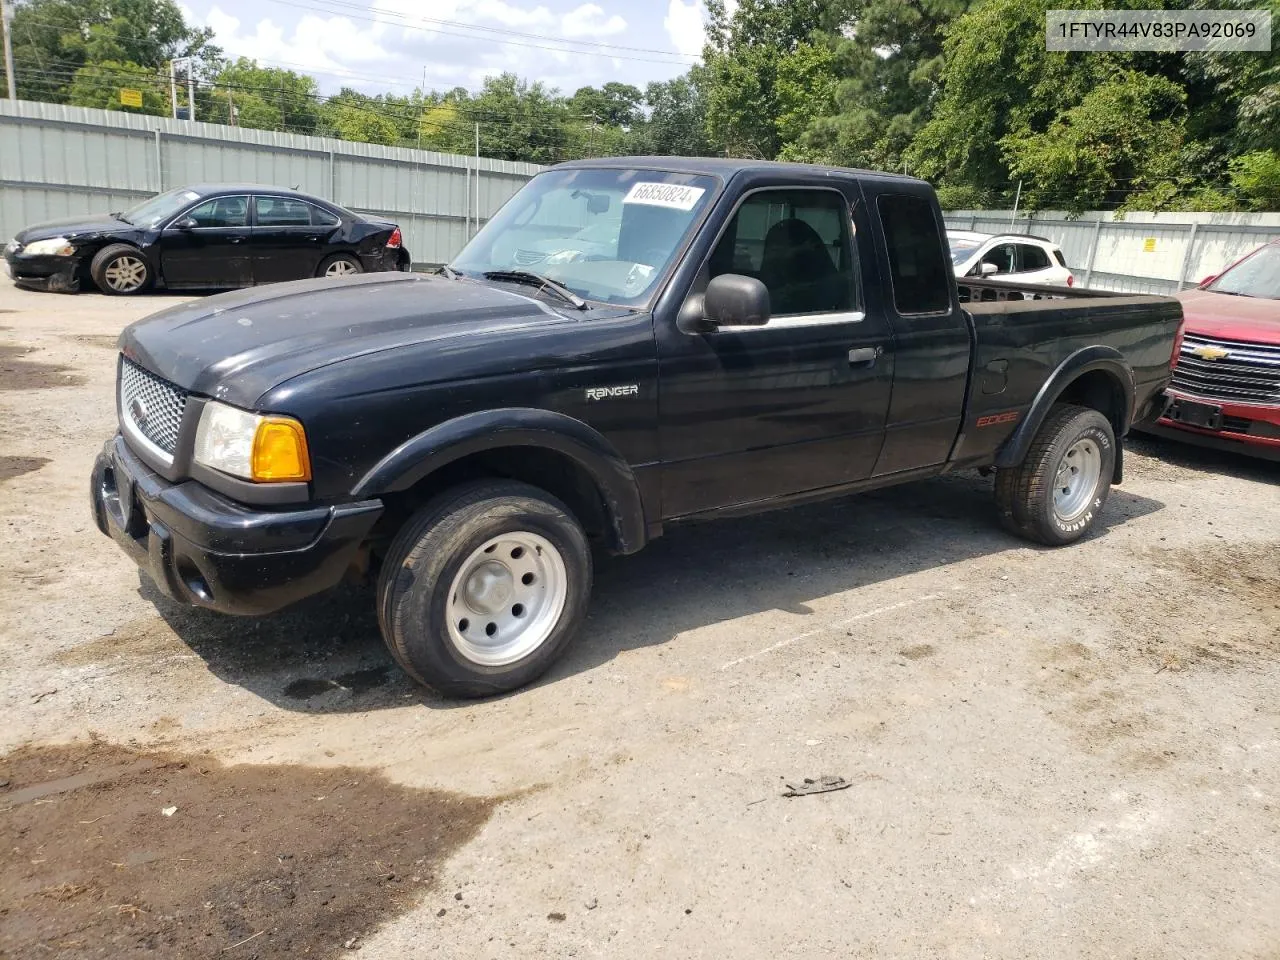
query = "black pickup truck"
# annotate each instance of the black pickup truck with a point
(627, 344)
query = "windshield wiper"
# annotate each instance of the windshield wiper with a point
(541, 282)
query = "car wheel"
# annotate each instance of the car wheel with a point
(340, 265)
(120, 270)
(1057, 493)
(484, 588)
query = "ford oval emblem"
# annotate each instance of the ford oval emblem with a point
(138, 411)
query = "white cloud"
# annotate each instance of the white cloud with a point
(684, 25)
(326, 45)
(589, 20)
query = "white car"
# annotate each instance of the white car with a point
(1009, 256)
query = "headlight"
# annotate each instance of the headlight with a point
(258, 447)
(53, 247)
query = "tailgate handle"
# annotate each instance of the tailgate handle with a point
(863, 355)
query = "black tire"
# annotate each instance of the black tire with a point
(430, 552)
(114, 269)
(353, 264)
(1025, 494)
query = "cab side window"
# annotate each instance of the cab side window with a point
(222, 212)
(918, 266)
(798, 243)
(282, 212)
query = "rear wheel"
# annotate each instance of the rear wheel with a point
(484, 588)
(120, 270)
(340, 265)
(1057, 493)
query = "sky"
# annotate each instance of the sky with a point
(396, 45)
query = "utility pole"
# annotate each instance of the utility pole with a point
(6, 19)
(191, 91)
(1017, 197)
(173, 90)
(477, 176)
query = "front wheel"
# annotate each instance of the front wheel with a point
(484, 587)
(1057, 493)
(120, 270)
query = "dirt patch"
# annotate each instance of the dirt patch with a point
(17, 373)
(142, 639)
(117, 853)
(105, 340)
(917, 651)
(11, 467)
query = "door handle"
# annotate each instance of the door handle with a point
(864, 355)
(235, 239)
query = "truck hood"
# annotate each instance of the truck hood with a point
(1226, 317)
(237, 346)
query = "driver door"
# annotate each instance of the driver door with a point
(799, 404)
(212, 252)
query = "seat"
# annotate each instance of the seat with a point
(797, 269)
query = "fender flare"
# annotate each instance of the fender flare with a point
(421, 455)
(1084, 360)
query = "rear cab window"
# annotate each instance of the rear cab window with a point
(919, 271)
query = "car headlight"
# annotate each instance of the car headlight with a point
(53, 247)
(258, 447)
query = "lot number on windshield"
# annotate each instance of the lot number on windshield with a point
(672, 195)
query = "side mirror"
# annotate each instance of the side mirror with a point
(186, 223)
(988, 269)
(733, 300)
(1207, 280)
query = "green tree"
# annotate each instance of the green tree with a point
(1125, 134)
(266, 98)
(742, 60)
(677, 120)
(53, 39)
(881, 82)
(351, 115)
(99, 85)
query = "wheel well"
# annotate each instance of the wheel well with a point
(1101, 391)
(556, 473)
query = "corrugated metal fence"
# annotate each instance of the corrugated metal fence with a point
(58, 161)
(1144, 252)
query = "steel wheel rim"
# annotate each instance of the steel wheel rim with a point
(340, 268)
(125, 274)
(506, 598)
(1077, 479)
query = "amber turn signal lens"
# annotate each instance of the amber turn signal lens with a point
(280, 451)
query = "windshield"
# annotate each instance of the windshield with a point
(158, 209)
(607, 235)
(1258, 275)
(962, 250)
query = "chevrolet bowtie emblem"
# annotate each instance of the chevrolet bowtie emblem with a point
(1207, 352)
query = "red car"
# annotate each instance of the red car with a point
(1226, 385)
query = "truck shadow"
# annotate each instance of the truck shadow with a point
(326, 655)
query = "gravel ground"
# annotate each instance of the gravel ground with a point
(1053, 753)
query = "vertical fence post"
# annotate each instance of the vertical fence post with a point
(1093, 252)
(333, 176)
(159, 163)
(1186, 257)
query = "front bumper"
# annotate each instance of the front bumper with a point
(1250, 429)
(55, 274)
(205, 550)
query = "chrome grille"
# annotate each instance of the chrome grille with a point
(1247, 373)
(150, 406)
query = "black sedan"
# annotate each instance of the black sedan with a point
(205, 237)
